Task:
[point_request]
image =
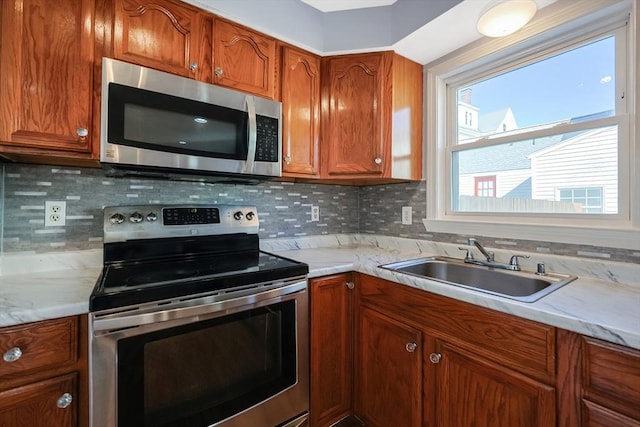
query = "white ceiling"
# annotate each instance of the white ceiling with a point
(336, 5)
(431, 30)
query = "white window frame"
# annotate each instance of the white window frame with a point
(556, 26)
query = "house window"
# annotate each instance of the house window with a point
(552, 119)
(587, 199)
(485, 186)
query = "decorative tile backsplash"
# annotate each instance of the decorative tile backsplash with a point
(284, 210)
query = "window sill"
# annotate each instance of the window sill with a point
(605, 237)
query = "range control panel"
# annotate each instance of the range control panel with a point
(125, 223)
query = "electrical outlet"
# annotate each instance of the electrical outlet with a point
(407, 215)
(315, 213)
(55, 213)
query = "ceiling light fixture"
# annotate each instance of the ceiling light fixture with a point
(506, 17)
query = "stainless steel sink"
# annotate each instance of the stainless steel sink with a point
(522, 286)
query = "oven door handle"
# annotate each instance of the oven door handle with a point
(104, 324)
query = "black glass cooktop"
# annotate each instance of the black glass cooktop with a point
(128, 283)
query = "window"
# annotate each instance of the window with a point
(552, 129)
(588, 200)
(485, 186)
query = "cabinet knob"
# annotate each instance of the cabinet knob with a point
(193, 66)
(82, 132)
(218, 71)
(435, 357)
(12, 355)
(378, 161)
(64, 401)
(350, 285)
(287, 160)
(411, 347)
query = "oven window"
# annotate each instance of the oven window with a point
(145, 119)
(201, 373)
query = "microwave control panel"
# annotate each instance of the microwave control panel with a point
(267, 139)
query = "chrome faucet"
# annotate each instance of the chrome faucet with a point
(513, 265)
(488, 254)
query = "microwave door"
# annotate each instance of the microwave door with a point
(253, 132)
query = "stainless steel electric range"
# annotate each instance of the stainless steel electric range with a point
(192, 325)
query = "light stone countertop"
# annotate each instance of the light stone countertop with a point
(604, 302)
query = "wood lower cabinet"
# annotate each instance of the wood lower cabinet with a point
(43, 374)
(475, 366)
(372, 117)
(166, 35)
(300, 113)
(46, 77)
(331, 302)
(610, 384)
(244, 59)
(388, 371)
(472, 390)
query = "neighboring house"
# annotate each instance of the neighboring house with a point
(586, 178)
(555, 173)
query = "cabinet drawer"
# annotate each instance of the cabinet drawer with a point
(44, 403)
(611, 376)
(43, 345)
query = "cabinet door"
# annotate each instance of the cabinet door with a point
(597, 416)
(46, 75)
(46, 403)
(165, 35)
(244, 60)
(331, 348)
(388, 371)
(471, 390)
(300, 112)
(358, 95)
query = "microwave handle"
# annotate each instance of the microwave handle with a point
(253, 134)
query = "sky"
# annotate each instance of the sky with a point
(571, 84)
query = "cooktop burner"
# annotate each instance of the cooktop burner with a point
(170, 252)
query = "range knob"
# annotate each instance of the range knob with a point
(136, 217)
(152, 217)
(250, 215)
(116, 218)
(238, 216)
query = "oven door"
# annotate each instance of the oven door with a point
(244, 363)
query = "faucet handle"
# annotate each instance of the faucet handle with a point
(514, 260)
(469, 254)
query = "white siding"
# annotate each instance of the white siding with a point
(589, 160)
(505, 181)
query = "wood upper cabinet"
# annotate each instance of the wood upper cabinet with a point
(244, 59)
(300, 113)
(473, 390)
(388, 371)
(372, 117)
(165, 35)
(331, 300)
(46, 76)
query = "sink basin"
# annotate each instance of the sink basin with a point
(519, 285)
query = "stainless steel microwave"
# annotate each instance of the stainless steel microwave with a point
(157, 124)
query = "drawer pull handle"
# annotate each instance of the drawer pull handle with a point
(435, 357)
(411, 347)
(218, 72)
(350, 285)
(287, 160)
(82, 132)
(12, 355)
(378, 161)
(64, 401)
(193, 66)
